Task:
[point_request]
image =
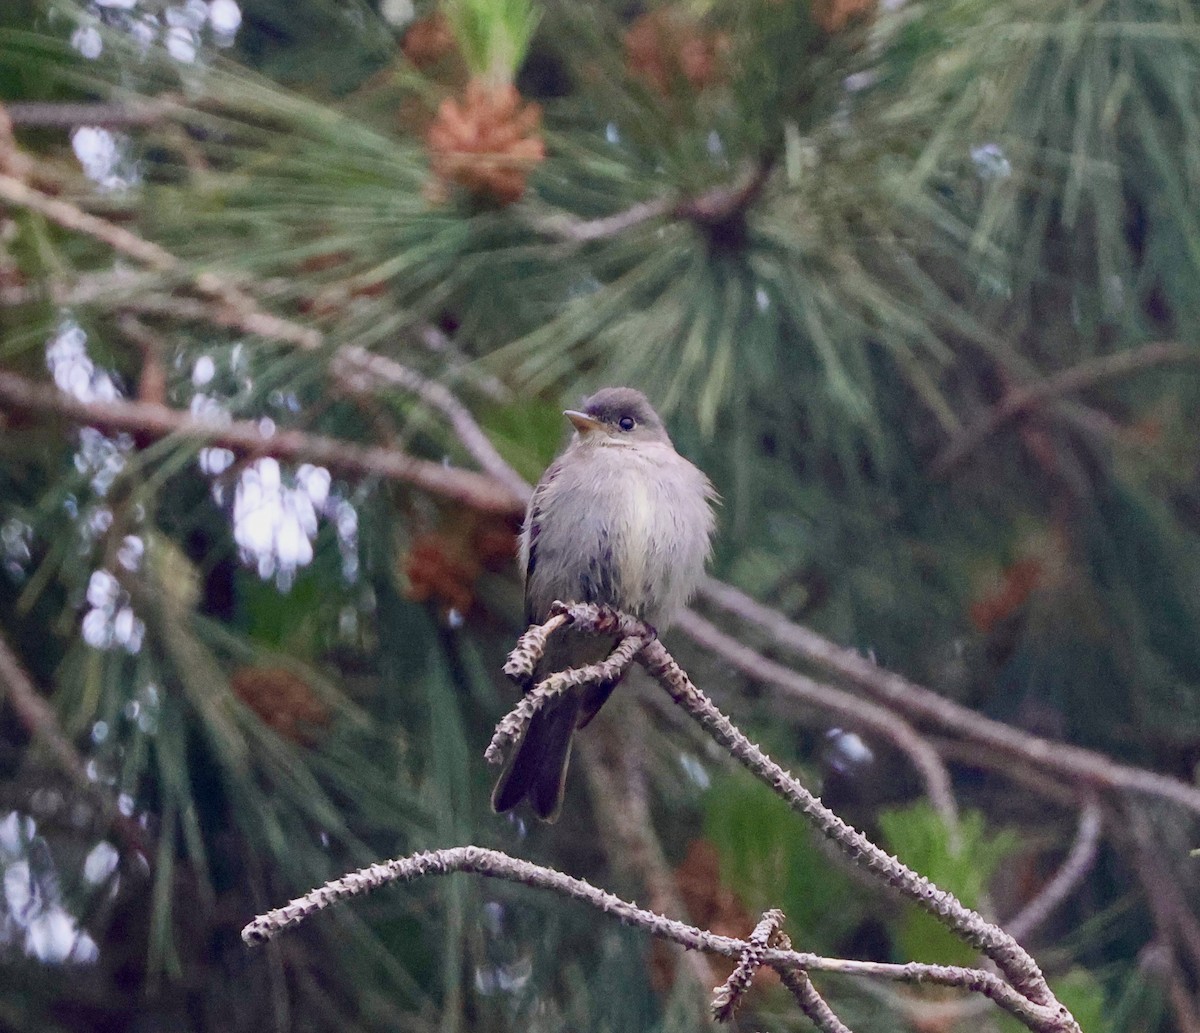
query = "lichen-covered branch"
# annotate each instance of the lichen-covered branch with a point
(1016, 964)
(730, 993)
(494, 864)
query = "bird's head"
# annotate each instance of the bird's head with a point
(618, 415)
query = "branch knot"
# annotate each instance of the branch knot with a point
(729, 994)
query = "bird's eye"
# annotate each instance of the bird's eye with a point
(626, 423)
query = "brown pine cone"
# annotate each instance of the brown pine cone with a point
(666, 46)
(282, 700)
(835, 15)
(487, 142)
(712, 905)
(437, 572)
(428, 40)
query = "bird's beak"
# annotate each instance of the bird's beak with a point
(582, 422)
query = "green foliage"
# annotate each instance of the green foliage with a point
(917, 835)
(494, 35)
(770, 860)
(960, 198)
(527, 434)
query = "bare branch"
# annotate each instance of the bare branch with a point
(465, 486)
(493, 864)
(1087, 374)
(530, 648)
(811, 1003)
(70, 217)
(710, 208)
(726, 202)
(608, 672)
(1086, 770)
(39, 720)
(583, 231)
(365, 369)
(1070, 874)
(68, 114)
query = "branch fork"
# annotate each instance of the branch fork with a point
(729, 994)
(1020, 987)
(634, 636)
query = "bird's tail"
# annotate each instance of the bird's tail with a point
(538, 767)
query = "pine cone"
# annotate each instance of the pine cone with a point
(666, 46)
(494, 542)
(835, 15)
(486, 143)
(282, 700)
(712, 905)
(428, 40)
(437, 572)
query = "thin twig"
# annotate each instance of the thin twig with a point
(710, 207)
(730, 993)
(607, 672)
(365, 369)
(68, 114)
(493, 864)
(241, 315)
(811, 1003)
(1070, 874)
(247, 438)
(723, 203)
(37, 717)
(879, 720)
(39, 720)
(583, 231)
(71, 217)
(530, 648)
(1078, 378)
(1086, 770)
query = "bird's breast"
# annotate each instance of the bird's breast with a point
(627, 527)
(661, 523)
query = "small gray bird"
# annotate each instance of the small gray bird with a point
(619, 518)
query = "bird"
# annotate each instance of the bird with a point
(619, 518)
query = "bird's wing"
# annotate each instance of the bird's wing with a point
(533, 529)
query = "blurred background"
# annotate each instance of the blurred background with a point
(913, 283)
